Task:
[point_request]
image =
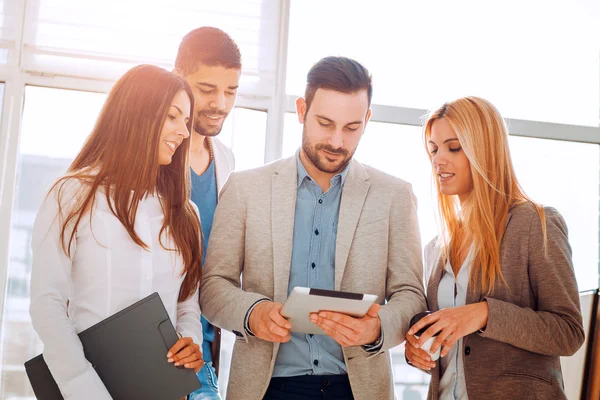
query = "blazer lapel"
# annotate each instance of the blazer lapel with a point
(475, 295)
(433, 285)
(354, 194)
(283, 206)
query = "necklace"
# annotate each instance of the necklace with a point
(210, 150)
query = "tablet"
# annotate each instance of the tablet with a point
(303, 301)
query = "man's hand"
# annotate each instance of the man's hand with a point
(350, 331)
(267, 323)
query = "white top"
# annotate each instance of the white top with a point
(452, 292)
(107, 272)
(224, 161)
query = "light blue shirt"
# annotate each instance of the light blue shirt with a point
(452, 292)
(313, 266)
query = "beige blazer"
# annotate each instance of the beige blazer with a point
(531, 323)
(378, 251)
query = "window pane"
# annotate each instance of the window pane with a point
(9, 27)
(292, 134)
(566, 176)
(424, 53)
(244, 132)
(104, 38)
(55, 125)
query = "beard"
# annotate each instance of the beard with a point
(320, 161)
(207, 130)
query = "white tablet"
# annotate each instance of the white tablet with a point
(303, 301)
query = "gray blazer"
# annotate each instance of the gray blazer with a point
(531, 323)
(378, 251)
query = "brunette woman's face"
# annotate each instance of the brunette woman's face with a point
(175, 130)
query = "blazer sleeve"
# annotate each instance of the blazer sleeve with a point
(224, 303)
(404, 284)
(555, 327)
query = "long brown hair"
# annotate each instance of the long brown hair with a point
(483, 136)
(120, 157)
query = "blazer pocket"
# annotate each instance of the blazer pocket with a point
(527, 375)
(370, 228)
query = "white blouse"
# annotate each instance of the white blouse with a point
(107, 272)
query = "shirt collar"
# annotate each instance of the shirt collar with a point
(303, 174)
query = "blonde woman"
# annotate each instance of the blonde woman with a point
(501, 284)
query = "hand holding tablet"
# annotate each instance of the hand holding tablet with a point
(349, 318)
(267, 323)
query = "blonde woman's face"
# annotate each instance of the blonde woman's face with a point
(449, 161)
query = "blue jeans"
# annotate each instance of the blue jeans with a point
(210, 388)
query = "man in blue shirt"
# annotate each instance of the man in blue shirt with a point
(210, 61)
(321, 220)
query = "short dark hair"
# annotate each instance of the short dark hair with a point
(208, 46)
(340, 74)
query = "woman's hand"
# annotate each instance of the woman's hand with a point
(452, 324)
(417, 357)
(187, 353)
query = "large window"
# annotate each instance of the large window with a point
(105, 38)
(55, 125)
(244, 132)
(566, 176)
(535, 60)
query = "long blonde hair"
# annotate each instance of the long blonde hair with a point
(483, 136)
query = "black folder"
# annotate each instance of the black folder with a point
(129, 352)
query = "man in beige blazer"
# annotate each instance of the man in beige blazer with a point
(323, 220)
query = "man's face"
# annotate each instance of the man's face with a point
(215, 90)
(333, 127)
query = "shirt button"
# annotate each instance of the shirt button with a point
(316, 232)
(313, 265)
(467, 351)
(320, 201)
(316, 362)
